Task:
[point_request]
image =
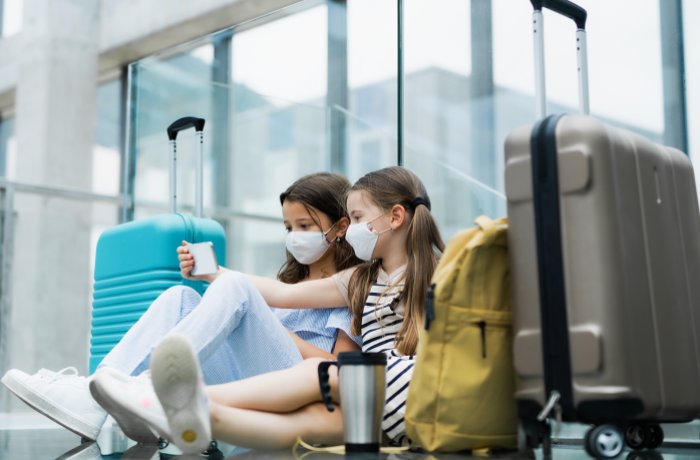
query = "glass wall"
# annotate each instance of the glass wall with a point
(106, 159)
(315, 87)
(10, 17)
(264, 91)
(691, 10)
(8, 147)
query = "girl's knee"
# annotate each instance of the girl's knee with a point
(173, 298)
(232, 277)
(323, 427)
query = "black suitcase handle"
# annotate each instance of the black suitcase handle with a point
(184, 123)
(579, 16)
(174, 128)
(565, 8)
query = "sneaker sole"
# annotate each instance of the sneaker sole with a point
(87, 451)
(132, 427)
(44, 407)
(175, 377)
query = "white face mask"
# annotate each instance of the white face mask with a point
(307, 247)
(363, 239)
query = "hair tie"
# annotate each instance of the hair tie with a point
(417, 201)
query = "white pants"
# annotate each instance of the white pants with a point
(231, 326)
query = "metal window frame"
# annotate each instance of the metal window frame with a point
(337, 81)
(675, 131)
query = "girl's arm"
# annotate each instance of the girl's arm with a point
(323, 293)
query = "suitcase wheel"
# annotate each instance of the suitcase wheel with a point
(533, 434)
(604, 441)
(644, 436)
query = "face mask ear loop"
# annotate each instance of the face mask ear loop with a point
(325, 234)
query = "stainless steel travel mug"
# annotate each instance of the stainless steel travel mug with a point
(362, 385)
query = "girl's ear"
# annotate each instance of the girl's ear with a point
(342, 227)
(398, 216)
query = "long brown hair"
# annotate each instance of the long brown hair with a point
(319, 192)
(388, 187)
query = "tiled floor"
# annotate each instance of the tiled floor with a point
(27, 437)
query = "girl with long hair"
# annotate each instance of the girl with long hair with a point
(393, 230)
(232, 329)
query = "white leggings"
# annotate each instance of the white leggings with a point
(231, 326)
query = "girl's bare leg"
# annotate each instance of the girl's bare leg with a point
(279, 392)
(265, 430)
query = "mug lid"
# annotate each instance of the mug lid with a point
(359, 358)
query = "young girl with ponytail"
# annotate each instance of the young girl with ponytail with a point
(392, 230)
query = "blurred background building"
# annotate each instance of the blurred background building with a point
(288, 87)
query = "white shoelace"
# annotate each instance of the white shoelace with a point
(52, 376)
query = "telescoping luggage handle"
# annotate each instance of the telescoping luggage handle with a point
(173, 129)
(578, 15)
(545, 183)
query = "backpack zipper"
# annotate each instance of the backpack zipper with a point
(482, 328)
(429, 306)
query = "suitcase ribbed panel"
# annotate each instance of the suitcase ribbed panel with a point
(135, 263)
(119, 302)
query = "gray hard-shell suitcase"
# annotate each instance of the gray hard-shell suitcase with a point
(604, 242)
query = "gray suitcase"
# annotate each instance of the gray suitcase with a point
(604, 241)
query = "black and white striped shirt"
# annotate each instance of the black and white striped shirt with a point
(382, 318)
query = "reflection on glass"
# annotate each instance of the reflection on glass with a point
(691, 10)
(371, 115)
(8, 148)
(11, 17)
(284, 59)
(106, 153)
(165, 90)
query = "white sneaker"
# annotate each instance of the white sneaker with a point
(62, 396)
(132, 402)
(178, 383)
(132, 427)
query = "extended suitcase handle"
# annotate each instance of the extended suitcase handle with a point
(174, 128)
(578, 15)
(184, 123)
(565, 8)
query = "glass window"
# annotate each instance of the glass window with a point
(449, 129)
(8, 148)
(284, 59)
(691, 10)
(371, 115)
(469, 82)
(11, 15)
(106, 164)
(165, 90)
(267, 119)
(281, 129)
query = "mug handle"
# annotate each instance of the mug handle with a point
(323, 378)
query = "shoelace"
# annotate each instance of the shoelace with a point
(66, 372)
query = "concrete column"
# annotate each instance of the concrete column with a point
(55, 123)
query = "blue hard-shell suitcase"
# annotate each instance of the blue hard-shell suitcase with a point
(136, 261)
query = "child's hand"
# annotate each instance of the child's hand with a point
(186, 261)
(187, 265)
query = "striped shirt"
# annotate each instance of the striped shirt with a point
(382, 318)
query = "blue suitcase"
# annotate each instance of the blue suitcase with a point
(136, 261)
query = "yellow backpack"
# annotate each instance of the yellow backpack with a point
(462, 393)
